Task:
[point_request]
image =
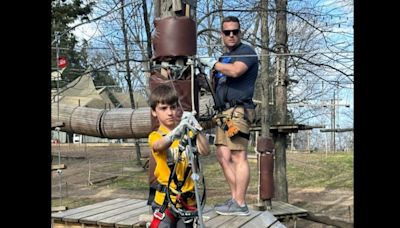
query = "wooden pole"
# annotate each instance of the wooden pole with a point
(281, 187)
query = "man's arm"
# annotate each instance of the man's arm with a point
(234, 70)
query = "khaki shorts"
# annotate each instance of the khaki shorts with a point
(235, 142)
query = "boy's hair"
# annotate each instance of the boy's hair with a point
(163, 94)
(229, 19)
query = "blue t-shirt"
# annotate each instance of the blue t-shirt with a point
(240, 88)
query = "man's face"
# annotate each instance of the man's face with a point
(230, 34)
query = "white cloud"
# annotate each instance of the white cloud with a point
(85, 31)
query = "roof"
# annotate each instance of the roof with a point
(83, 92)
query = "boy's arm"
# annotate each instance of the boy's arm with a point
(161, 144)
(202, 144)
(166, 141)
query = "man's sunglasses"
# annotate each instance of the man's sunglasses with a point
(228, 32)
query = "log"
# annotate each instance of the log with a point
(102, 180)
(114, 123)
(319, 218)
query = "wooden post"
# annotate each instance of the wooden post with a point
(281, 187)
(265, 91)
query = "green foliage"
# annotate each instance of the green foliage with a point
(63, 14)
(102, 78)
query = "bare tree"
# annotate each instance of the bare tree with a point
(310, 54)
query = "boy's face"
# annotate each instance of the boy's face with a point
(167, 115)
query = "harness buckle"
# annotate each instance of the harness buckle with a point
(227, 105)
(158, 215)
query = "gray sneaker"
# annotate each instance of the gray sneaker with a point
(227, 202)
(232, 209)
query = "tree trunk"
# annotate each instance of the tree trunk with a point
(126, 47)
(265, 125)
(149, 47)
(128, 71)
(281, 188)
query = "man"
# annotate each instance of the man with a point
(236, 73)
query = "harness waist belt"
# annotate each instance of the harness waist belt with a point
(185, 195)
(232, 104)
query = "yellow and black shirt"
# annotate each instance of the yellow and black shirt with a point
(162, 171)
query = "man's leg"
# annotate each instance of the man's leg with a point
(242, 175)
(224, 159)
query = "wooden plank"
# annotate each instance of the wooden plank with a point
(129, 222)
(95, 218)
(208, 214)
(58, 166)
(78, 216)
(89, 226)
(218, 220)
(264, 219)
(238, 221)
(115, 219)
(145, 217)
(135, 220)
(280, 208)
(57, 225)
(122, 212)
(60, 215)
(59, 208)
(60, 224)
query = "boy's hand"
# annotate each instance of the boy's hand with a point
(179, 130)
(192, 121)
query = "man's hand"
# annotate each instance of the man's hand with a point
(208, 61)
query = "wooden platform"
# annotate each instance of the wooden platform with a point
(122, 212)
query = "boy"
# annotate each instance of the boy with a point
(164, 145)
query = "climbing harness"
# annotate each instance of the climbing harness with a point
(226, 122)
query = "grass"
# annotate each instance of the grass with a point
(318, 170)
(304, 170)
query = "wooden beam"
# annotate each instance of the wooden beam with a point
(56, 167)
(102, 180)
(59, 208)
(57, 124)
(336, 130)
(328, 221)
(289, 128)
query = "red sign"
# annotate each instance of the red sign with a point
(62, 62)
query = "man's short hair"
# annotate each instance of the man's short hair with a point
(229, 19)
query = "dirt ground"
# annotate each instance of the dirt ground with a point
(75, 190)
